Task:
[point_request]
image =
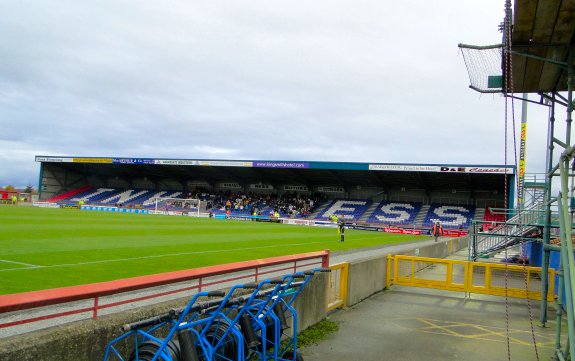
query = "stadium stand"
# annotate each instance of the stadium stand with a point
(93, 196)
(396, 213)
(125, 197)
(294, 205)
(352, 209)
(149, 200)
(450, 216)
(69, 194)
(241, 204)
(491, 217)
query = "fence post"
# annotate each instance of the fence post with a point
(388, 276)
(343, 284)
(95, 314)
(325, 259)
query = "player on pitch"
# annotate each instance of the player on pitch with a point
(341, 227)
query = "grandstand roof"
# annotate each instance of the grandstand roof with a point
(427, 176)
(544, 29)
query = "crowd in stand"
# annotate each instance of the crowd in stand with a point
(288, 204)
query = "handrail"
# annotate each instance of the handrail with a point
(505, 232)
(27, 300)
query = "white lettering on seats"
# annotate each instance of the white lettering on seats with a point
(343, 207)
(397, 212)
(450, 215)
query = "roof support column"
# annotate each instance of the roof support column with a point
(546, 227)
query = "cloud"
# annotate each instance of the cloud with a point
(323, 80)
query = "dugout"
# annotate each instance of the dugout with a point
(464, 184)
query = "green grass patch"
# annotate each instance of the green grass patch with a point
(48, 248)
(316, 333)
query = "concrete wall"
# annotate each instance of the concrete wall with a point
(311, 305)
(83, 340)
(367, 276)
(87, 340)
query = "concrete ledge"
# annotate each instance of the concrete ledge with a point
(367, 276)
(87, 340)
(83, 340)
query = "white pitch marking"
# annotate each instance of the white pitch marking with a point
(22, 263)
(157, 256)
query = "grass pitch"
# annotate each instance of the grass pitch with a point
(48, 248)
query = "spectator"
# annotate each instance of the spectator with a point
(436, 231)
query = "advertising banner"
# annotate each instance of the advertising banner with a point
(69, 206)
(92, 160)
(266, 164)
(225, 163)
(365, 227)
(132, 161)
(416, 232)
(295, 188)
(117, 210)
(53, 159)
(230, 185)
(46, 205)
(299, 222)
(262, 186)
(441, 168)
(450, 233)
(331, 189)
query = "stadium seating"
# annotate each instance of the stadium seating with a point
(288, 204)
(92, 196)
(69, 194)
(125, 197)
(394, 213)
(352, 209)
(491, 217)
(450, 216)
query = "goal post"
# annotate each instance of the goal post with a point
(190, 207)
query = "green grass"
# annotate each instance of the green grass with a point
(48, 248)
(316, 333)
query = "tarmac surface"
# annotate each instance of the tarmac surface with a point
(413, 324)
(408, 324)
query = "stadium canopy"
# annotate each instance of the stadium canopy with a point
(69, 172)
(542, 49)
(542, 34)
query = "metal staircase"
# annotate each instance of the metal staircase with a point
(506, 234)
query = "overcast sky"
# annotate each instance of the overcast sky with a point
(361, 81)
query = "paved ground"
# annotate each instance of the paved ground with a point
(406, 324)
(355, 254)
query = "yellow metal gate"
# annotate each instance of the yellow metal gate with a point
(337, 292)
(495, 279)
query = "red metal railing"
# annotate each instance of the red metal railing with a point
(17, 308)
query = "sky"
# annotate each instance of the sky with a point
(353, 81)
